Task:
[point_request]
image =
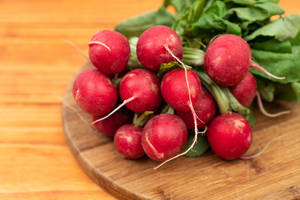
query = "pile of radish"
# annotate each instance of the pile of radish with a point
(157, 95)
(151, 115)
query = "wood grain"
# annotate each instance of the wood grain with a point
(35, 68)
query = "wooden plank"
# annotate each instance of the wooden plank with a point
(42, 171)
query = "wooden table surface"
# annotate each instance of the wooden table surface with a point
(35, 67)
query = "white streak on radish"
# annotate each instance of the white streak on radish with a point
(253, 64)
(100, 43)
(115, 110)
(264, 112)
(159, 155)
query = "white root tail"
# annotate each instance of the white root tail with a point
(115, 110)
(264, 112)
(100, 43)
(76, 48)
(248, 157)
(265, 71)
(191, 108)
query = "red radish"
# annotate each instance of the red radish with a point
(205, 110)
(110, 125)
(175, 91)
(143, 86)
(229, 135)
(94, 92)
(164, 136)
(245, 90)
(151, 45)
(228, 59)
(109, 51)
(128, 141)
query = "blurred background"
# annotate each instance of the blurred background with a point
(36, 65)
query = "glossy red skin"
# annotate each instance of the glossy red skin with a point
(94, 92)
(113, 61)
(245, 91)
(144, 86)
(150, 47)
(164, 136)
(229, 135)
(174, 89)
(127, 141)
(110, 125)
(205, 109)
(227, 59)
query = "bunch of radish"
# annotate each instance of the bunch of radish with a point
(150, 111)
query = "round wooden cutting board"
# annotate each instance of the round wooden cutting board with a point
(273, 175)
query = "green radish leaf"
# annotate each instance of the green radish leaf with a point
(273, 45)
(165, 67)
(288, 92)
(135, 26)
(280, 64)
(274, 1)
(283, 59)
(163, 17)
(242, 2)
(266, 89)
(212, 22)
(282, 29)
(257, 13)
(270, 8)
(250, 118)
(200, 147)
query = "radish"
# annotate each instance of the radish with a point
(143, 87)
(164, 137)
(139, 90)
(228, 59)
(151, 45)
(109, 51)
(245, 90)
(229, 135)
(94, 92)
(127, 141)
(175, 91)
(205, 109)
(110, 125)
